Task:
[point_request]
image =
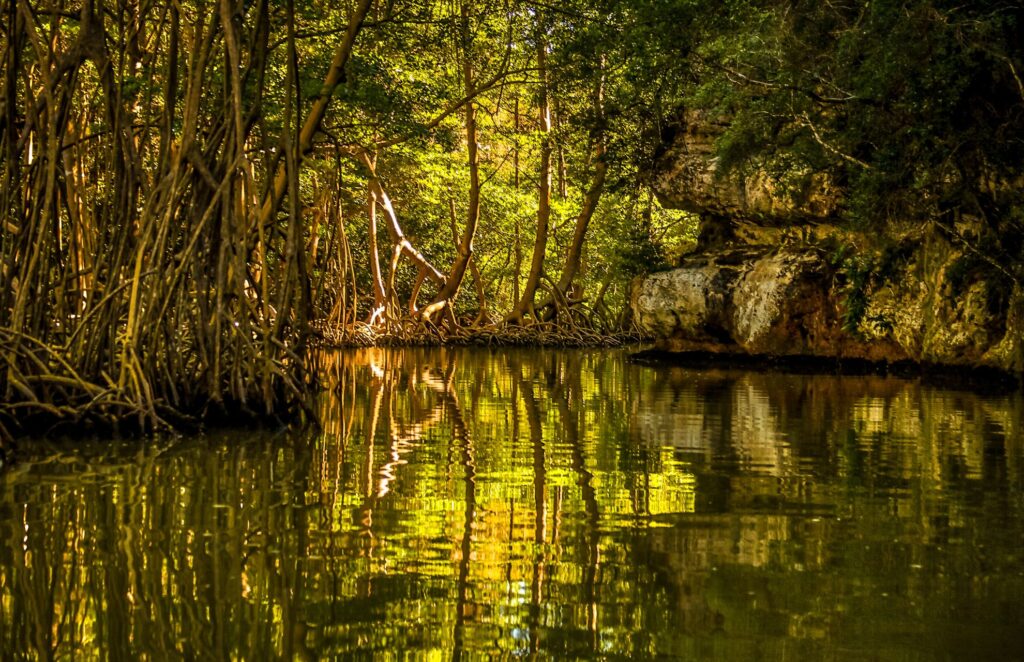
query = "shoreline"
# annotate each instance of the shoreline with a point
(528, 336)
(980, 379)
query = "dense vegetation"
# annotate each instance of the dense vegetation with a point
(190, 189)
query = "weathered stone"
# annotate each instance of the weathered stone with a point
(787, 302)
(760, 281)
(771, 301)
(687, 176)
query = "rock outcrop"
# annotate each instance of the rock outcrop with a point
(774, 275)
(688, 176)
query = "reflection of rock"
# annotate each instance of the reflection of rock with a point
(678, 421)
(714, 412)
(771, 424)
(755, 431)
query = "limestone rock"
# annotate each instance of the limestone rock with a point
(760, 301)
(789, 301)
(761, 281)
(687, 176)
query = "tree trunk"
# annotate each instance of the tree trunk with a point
(574, 255)
(563, 191)
(317, 112)
(518, 248)
(573, 258)
(465, 247)
(525, 304)
(379, 302)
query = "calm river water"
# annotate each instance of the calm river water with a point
(533, 503)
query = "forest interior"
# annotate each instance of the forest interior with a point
(194, 195)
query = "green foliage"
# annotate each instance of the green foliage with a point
(913, 108)
(858, 272)
(638, 254)
(855, 271)
(971, 268)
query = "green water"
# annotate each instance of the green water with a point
(466, 503)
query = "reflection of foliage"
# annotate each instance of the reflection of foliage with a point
(606, 510)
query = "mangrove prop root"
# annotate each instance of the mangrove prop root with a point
(540, 334)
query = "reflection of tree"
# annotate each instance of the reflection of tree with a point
(462, 502)
(567, 387)
(533, 421)
(468, 460)
(387, 372)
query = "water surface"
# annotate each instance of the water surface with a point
(538, 504)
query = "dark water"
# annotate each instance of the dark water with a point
(542, 504)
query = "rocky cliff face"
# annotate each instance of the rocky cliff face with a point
(688, 176)
(772, 275)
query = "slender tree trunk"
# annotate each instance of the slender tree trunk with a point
(590, 202)
(573, 258)
(519, 129)
(465, 247)
(379, 301)
(525, 304)
(316, 114)
(474, 270)
(563, 191)
(518, 248)
(10, 192)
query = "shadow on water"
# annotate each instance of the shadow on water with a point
(536, 504)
